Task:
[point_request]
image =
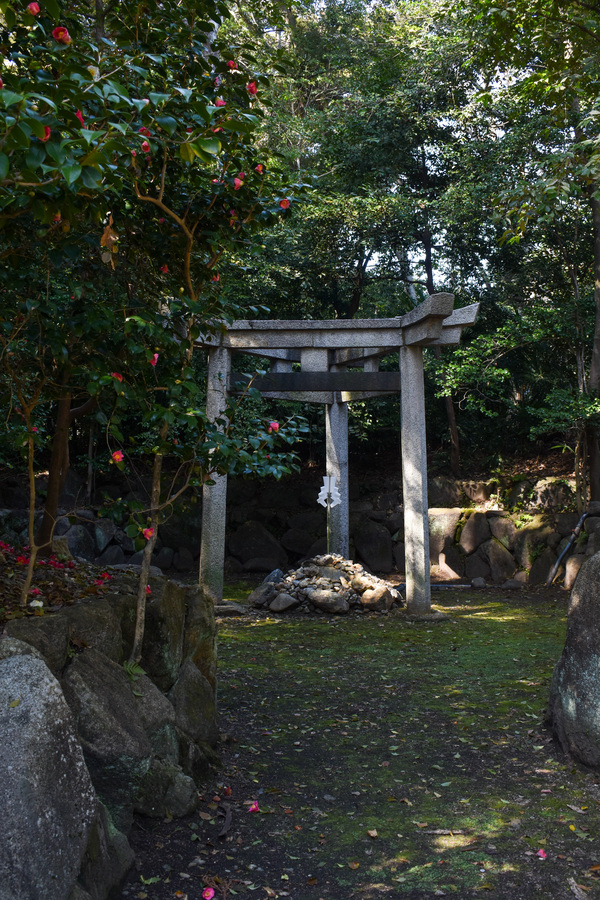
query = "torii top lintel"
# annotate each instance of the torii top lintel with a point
(433, 322)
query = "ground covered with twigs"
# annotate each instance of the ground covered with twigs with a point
(378, 757)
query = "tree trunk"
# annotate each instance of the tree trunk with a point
(59, 465)
(593, 444)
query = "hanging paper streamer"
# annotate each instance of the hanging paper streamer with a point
(329, 494)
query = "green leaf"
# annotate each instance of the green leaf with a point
(71, 173)
(168, 123)
(4, 165)
(157, 99)
(186, 152)
(9, 98)
(207, 145)
(186, 93)
(90, 177)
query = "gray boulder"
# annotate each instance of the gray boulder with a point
(377, 599)
(501, 562)
(282, 602)
(48, 634)
(529, 538)
(94, 623)
(252, 541)
(328, 601)
(442, 528)
(504, 530)
(477, 566)
(107, 859)
(80, 542)
(112, 556)
(574, 705)
(115, 745)
(572, 567)
(476, 532)
(193, 699)
(373, 543)
(541, 566)
(263, 594)
(47, 802)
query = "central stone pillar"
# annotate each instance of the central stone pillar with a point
(414, 481)
(214, 496)
(336, 438)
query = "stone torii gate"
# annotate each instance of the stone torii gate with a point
(339, 362)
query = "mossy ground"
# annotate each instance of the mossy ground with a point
(389, 759)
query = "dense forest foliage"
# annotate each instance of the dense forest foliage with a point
(168, 167)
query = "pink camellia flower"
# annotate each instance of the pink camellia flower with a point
(259, 168)
(133, 153)
(273, 427)
(237, 184)
(231, 64)
(164, 269)
(145, 131)
(61, 35)
(161, 221)
(220, 102)
(284, 204)
(117, 456)
(35, 592)
(255, 807)
(33, 8)
(148, 589)
(208, 894)
(251, 88)
(34, 429)
(47, 133)
(148, 532)
(154, 359)
(145, 146)
(117, 375)
(216, 130)
(79, 115)
(1, 84)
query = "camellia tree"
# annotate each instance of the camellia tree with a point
(128, 172)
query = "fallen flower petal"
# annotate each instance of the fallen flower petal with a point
(542, 854)
(208, 893)
(254, 807)
(148, 589)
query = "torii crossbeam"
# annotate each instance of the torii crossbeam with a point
(327, 352)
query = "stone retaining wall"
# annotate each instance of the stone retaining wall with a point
(85, 745)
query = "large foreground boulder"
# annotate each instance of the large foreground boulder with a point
(47, 802)
(574, 708)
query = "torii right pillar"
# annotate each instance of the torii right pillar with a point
(414, 481)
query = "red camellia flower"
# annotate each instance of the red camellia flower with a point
(237, 184)
(148, 589)
(219, 102)
(145, 131)
(47, 133)
(273, 427)
(284, 204)
(216, 278)
(161, 221)
(133, 153)
(145, 146)
(231, 64)
(259, 168)
(116, 375)
(251, 88)
(154, 360)
(164, 269)
(33, 8)
(61, 35)
(79, 115)
(1, 84)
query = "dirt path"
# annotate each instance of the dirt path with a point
(388, 759)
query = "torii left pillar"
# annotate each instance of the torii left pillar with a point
(214, 496)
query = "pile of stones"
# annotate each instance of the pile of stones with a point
(325, 584)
